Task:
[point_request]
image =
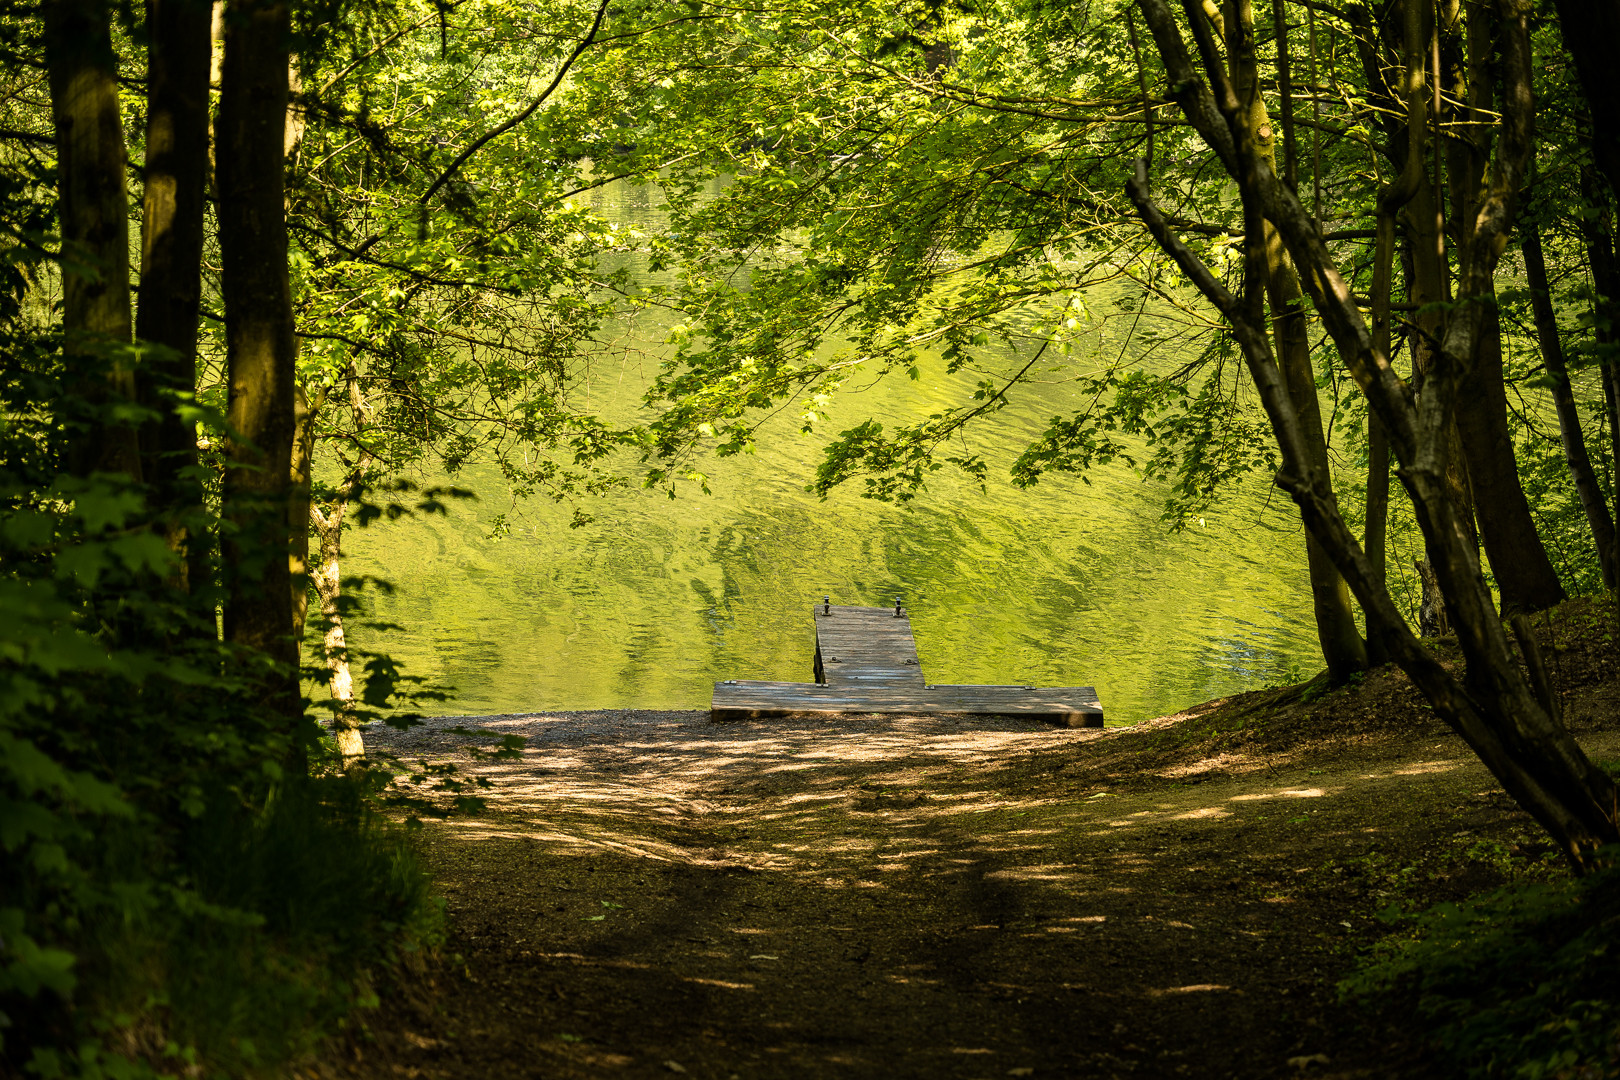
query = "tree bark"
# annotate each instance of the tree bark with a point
(175, 175)
(328, 581)
(1597, 230)
(93, 205)
(1590, 29)
(299, 508)
(1342, 647)
(260, 344)
(1406, 149)
(1581, 472)
(1524, 574)
(1429, 287)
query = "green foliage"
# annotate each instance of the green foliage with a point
(935, 190)
(443, 330)
(176, 900)
(1517, 983)
(169, 887)
(301, 906)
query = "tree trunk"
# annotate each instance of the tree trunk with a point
(1406, 149)
(1590, 29)
(175, 176)
(1495, 712)
(1428, 285)
(260, 344)
(1342, 647)
(329, 586)
(1597, 230)
(1569, 416)
(1524, 574)
(299, 508)
(93, 206)
(1432, 622)
(328, 578)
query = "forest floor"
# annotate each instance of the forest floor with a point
(651, 894)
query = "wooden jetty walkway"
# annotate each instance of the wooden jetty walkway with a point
(866, 662)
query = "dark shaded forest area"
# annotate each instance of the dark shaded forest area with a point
(269, 264)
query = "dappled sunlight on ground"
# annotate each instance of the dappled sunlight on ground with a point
(913, 896)
(578, 796)
(1425, 768)
(804, 797)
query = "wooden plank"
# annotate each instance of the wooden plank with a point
(866, 662)
(865, 646)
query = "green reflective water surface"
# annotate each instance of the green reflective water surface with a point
(1063, 584)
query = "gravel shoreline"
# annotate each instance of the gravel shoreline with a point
(538, 728)
(617, 728)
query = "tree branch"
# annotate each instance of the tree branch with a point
(489, 136)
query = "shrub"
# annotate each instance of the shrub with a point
(1517, 983)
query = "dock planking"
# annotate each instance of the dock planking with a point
(866, 661)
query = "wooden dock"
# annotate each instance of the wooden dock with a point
(866, 662)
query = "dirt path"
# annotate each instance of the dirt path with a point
(653, 894)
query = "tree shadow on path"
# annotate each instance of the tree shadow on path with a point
(653, 894)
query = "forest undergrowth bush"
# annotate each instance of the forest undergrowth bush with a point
(1515, 983)
(186, 893)
(279, 921)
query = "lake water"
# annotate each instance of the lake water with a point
(1063, 584)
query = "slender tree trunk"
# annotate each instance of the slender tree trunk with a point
(1342, 646)
(299, 507)
(1569, 416)
(1375, 531)
(1285, 94)
(305, 414)
(1432, 619)
(1405, 146)
(328, 527)
(1429, 287)
(1611, 416)
(94, 209)
(1598, 233)
(260, 344)
(328, 578)
(175, 177)
(1524, 574)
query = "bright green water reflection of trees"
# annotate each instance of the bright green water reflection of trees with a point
(1065, 583)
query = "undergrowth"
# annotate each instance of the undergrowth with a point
(1517, 983)
(175, 900)
(277, 922)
